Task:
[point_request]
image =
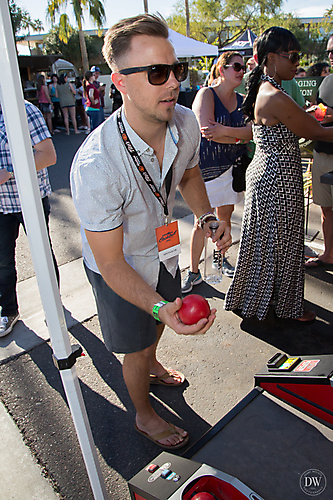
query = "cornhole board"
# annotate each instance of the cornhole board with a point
(266, 447)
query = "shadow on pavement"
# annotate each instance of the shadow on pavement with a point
(32, 391)
(292, 337)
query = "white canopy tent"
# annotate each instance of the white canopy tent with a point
(188, 47)
(25, 174)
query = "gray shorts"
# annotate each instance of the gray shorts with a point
(322, 193)
(125, 327)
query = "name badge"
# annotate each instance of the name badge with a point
(168, 242)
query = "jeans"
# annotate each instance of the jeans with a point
(9, 231)
(94, 117)
(101, 115)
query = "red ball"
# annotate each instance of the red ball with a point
(204, 495)
(193, 309)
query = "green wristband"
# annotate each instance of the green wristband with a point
(157, 307)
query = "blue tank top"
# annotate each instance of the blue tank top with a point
(217, 158)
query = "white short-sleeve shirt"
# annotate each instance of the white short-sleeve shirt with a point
(108, 190)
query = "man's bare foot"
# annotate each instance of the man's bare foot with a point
(307, 316)
(162, 433)
(159, 375)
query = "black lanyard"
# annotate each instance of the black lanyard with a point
(142, 169)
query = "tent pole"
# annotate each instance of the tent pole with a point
(25, 174)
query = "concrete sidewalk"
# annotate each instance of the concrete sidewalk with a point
(21, 476)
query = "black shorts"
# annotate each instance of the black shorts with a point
(125, 327)
(45, 107)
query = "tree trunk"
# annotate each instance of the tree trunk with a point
(145, 6)
(84, 54)
(187, 15)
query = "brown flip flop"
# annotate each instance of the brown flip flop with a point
(155, 380)
(161, 435)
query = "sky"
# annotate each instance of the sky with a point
(116, 10)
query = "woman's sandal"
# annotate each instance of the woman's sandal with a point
(308, 317)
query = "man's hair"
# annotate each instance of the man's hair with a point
(117, 41)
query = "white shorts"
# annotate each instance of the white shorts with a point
(220, 191)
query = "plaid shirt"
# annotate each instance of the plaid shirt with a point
(9, 197)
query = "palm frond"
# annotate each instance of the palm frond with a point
(65, 28)
(97, 12)
(54, 7)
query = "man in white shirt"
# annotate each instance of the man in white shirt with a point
(123, 180)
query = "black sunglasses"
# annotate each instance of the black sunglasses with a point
(328, 52)
(158, 74)
(294, 57)
(236, 66)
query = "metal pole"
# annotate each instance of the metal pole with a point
(187, 18)
(25, 174)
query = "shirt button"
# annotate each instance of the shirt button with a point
(152, 159)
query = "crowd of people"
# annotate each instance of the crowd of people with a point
(124, 179)
(61, 99)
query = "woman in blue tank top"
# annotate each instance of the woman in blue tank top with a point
(224, 134)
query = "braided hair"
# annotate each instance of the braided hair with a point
(275, 40)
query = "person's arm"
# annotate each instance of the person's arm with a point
(92, 96)
(193, 190)
(4, 175)
(47, 94)
(224, 134)
(107, 247)
(204, 109)
(44, 156)
(72, 88)
(274, 106)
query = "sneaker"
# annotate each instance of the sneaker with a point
(7, 323)
(227, 269)
(190, 280)
(57, 131)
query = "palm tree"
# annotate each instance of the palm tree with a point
(96, 13)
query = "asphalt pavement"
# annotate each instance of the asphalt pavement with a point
(39, 453)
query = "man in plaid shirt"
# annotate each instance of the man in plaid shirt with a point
(11, 212)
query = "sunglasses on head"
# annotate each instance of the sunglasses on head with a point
(236, 66)
(158, 74)
(294, 57)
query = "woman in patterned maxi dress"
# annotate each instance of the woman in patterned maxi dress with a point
(270, 264)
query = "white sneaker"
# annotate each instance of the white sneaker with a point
(7, 323)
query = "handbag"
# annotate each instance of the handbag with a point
(239, 171)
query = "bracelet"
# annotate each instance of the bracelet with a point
(209, 216)
(157, 307)
(209, 219)
(199, 220)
